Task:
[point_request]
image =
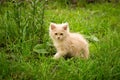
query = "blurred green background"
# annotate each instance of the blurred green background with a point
(26, 50)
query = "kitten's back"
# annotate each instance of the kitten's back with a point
(78, 37)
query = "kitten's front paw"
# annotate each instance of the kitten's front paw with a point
(56, 56)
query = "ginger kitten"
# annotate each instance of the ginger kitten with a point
(67, 43)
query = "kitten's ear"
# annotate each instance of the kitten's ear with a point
(52, 26)
(65, 27)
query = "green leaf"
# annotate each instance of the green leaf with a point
(39, 48)
(94, 38)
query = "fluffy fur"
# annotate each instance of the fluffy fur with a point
(67, 43)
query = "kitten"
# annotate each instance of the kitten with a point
(67, 43)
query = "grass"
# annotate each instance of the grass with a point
(24, 56)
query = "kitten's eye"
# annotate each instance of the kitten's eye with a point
(55, 33)
(61, 33)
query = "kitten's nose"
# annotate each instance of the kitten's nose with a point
(58, 37)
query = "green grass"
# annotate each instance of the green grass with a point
(23, 56)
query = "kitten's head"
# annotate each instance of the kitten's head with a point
(59, 31)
